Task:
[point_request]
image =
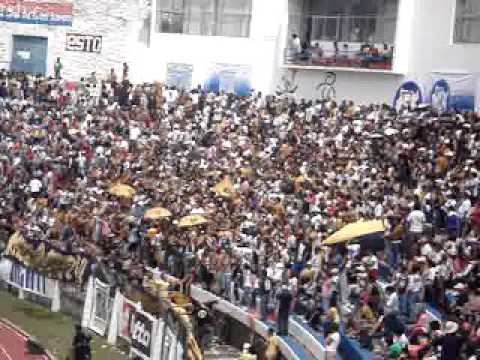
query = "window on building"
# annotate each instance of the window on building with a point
(364, 21)
(205, 17)
(467, 22)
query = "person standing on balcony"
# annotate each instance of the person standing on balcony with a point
(296, 46)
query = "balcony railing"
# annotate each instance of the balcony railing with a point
(371, 29)
(343, 41)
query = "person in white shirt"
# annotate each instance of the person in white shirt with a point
(463, 212)
(35, 187)
(392, 303)
(416, 221)
(296, 45)
(378, 211)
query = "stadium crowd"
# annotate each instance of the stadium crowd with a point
(265, 181)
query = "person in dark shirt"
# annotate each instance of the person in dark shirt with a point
(451, 343)
(3, 91)
(81, 344)
(284, 301)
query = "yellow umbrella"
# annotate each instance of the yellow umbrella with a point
(122, 190)
(224, 188)
(355, 230)
(157, 213)
(192, 220)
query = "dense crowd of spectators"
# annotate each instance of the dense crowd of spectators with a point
(292, 173)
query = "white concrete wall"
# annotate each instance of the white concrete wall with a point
(259, 51)
(118, 22)
(363, 88)
(432, 47)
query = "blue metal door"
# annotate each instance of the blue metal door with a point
(29, 54)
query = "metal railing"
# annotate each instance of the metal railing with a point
(345, 28)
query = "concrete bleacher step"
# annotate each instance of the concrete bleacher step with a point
(222, 352)
(317, 335)
(298, 349)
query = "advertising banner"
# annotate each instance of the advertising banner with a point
(48, 12)
(127, 314)
(101, 307)
(142, 333)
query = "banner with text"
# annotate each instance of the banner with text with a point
(142, 334)
(49, 12)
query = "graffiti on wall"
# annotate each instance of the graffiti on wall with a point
(288, 86)
(326, 89)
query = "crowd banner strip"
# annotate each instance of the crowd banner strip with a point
(28, 280)
(52, 263)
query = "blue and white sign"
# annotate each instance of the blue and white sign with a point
(27, 279)
(230, 79)
(440, 96)
(453, 91)
(408, 96)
